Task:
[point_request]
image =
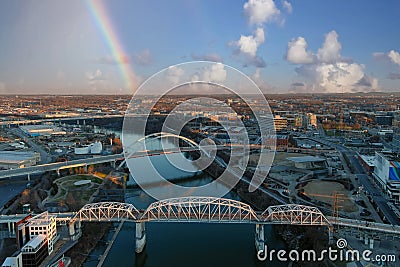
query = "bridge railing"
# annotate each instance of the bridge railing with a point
(208, 209)
(107, 211)
(294, 214)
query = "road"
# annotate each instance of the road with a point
(365, 181)
(44, 156)
(59, 165)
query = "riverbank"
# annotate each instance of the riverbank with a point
(92, 233)
(295, 237)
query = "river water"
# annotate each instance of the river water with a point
(184, 244)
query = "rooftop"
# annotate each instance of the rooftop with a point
(305, 159)
(369, 160)
(35, 242)
(15, 156)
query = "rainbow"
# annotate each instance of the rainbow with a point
(102, 21)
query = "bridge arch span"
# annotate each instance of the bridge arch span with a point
(160, 135)
(107, 211)
(200, 209)
(166, 135)
(294, 214)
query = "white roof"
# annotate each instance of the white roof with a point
(370, 160)
(36, 241)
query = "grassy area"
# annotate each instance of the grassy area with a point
(73, 195)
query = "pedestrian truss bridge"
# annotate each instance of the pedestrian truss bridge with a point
(202, 210)
(216, 210)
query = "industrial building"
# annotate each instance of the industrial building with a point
(93, 148)
(18, 159)
(42, 130)
(387, 174)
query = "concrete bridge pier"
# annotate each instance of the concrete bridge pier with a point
(71, 229)
(11, 228)
(74, 234)
(361, 237)
(366, 239)
(259, 237)
(330, 235)
(113, 164)
(371, 243)
(58, 172)
(29, 177)
(140, 237)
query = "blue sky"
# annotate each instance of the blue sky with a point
(56, 47)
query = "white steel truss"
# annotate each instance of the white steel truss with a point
(199, 209)
(107, 211)
(294, 214)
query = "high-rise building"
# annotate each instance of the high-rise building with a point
(387, 174)
(280, 123)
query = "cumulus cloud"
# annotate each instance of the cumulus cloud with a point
(330, 51)
(260, 11)
(394, 57)
(287, 6)
(143, 58)
(247, 46)
(344, 77)
(297, 52)
(328, 71)
(174, 74)
(215, 73)
(208, 57)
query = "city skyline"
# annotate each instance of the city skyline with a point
(95, 47)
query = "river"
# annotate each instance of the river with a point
(184, 244)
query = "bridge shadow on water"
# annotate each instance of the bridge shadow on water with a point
(190, 244)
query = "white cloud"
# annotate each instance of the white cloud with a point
(288, 6)
(260, 11)
(339, 77)
(249, 44)
(328, 71)
(216, 73)
(394, 57)
(174, 74)
(297, 52)
(330, 51)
